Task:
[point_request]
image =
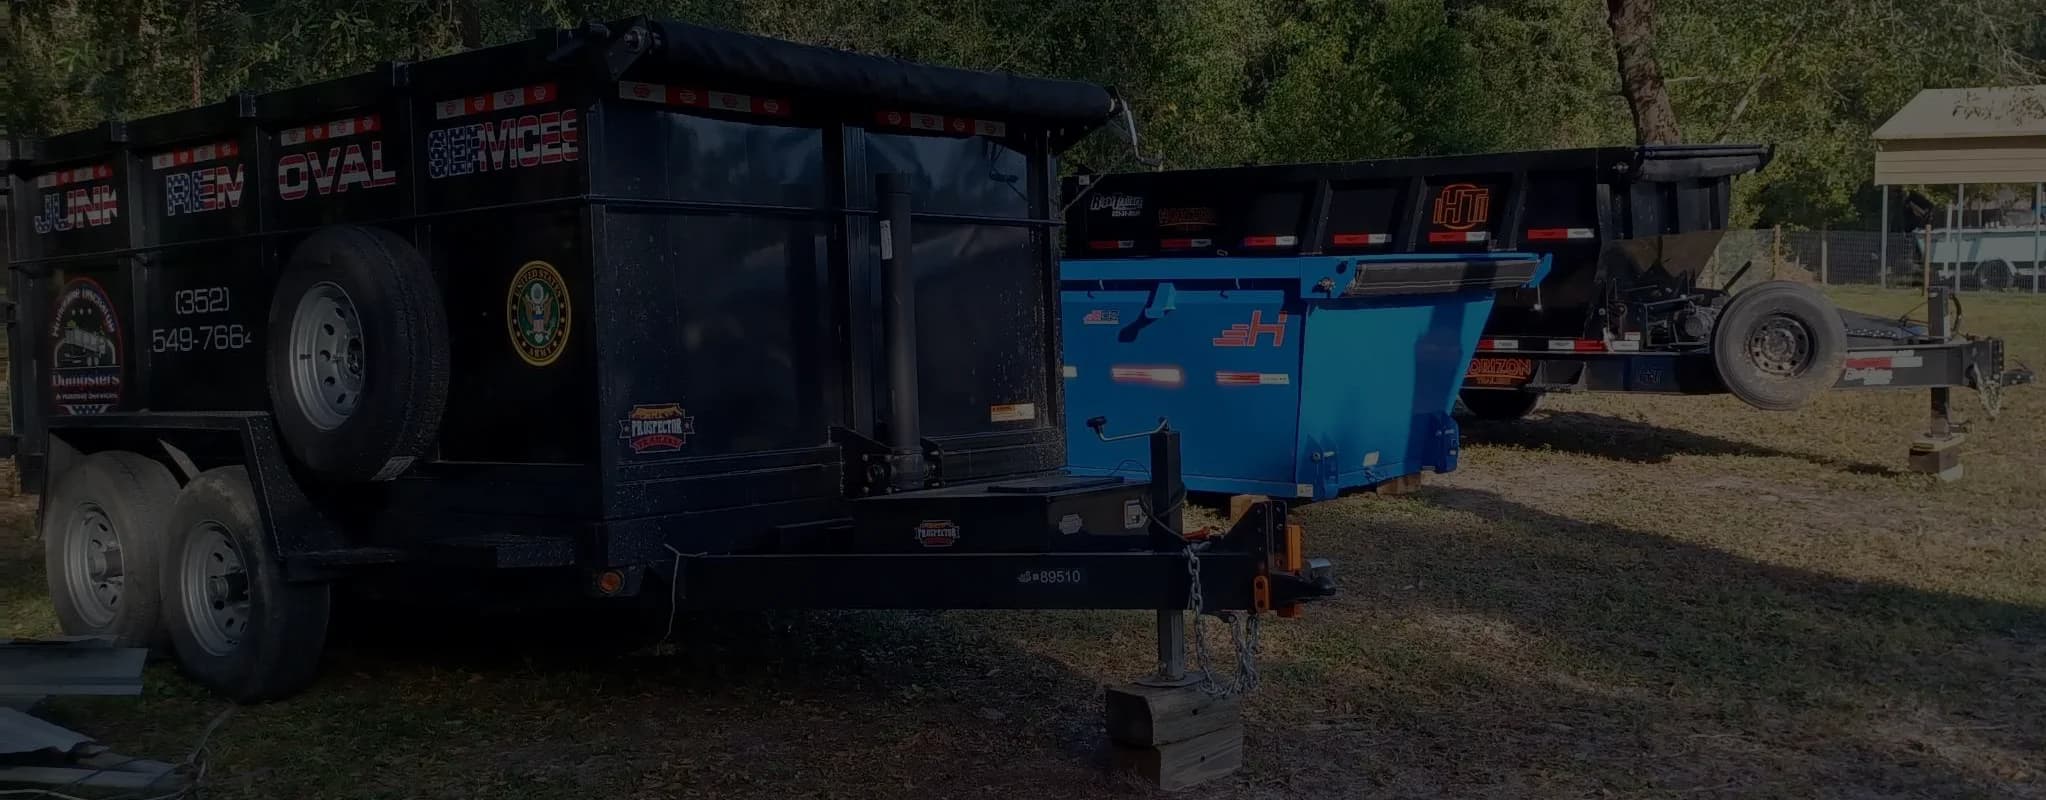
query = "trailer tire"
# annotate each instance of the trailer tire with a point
(239, 628)
(1995, 275)
(1780, 345)
(103, 546)
(1500, 405)
(358, 354)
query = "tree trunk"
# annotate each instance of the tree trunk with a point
(198, 56)
(470, 21)
(1633, 24)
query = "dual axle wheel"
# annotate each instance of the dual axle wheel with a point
(358, 375)
(132, 556)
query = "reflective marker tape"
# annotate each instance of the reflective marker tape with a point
(1253, 379)
(1155, 376)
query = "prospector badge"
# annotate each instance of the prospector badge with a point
(538, 313)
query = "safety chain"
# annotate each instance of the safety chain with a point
(1989, 389)
(1243, 634)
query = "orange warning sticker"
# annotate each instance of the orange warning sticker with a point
(1012, 412)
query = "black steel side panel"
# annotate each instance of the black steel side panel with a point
(1601, 213)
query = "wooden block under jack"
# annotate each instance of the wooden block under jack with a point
(1938, 457)
(1174, 737)
(1182, 765)
(1144, 716)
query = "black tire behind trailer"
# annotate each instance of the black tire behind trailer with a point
(1499, 405)
(358, 354)
(1779, 345)
(237, 625)
(1995, 275)
(102, 546)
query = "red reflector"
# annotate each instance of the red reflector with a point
(1589, 346)
(1548, 234)
(1361, 239)
(1111, 244)
(1185, 244)
(1270, 241)
(1457, 237)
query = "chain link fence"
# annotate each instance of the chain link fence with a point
(1984, 259)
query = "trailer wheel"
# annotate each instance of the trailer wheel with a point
(1499, 404)
(1779, 345)
(103, 544)
(358, 354)
(1995, 275)
(238, 627)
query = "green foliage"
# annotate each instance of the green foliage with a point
(1214, 82)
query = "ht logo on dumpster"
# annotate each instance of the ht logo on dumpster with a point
(1246, 334)
(1463, 206)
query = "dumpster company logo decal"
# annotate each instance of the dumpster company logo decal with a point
(1102, 316)
(937, 533)
(1246, 335)
(85, 373)
(304, 174)
(656, 429)
(537, 310)
(78, 206)
(1463, 206)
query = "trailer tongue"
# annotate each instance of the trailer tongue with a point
(641, 310)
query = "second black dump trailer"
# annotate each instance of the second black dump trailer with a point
(1629, 306)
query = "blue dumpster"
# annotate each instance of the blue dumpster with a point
(1297, 377)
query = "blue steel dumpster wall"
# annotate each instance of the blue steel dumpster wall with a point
(1381, 379)
(1221, 366)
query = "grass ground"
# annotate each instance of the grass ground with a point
(1624, 596)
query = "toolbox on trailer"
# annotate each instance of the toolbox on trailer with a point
(757, 323)
(1628, 306)
(1296, 377)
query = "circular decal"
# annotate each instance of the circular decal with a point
(538, 313)
(85, 339)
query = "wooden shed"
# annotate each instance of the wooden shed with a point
(1962, 137)
(1945, 137)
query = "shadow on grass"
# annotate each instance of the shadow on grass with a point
(1619, 439)
(549, 704)
(1536, 654)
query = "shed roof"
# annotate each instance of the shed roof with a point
(1956, 136)
(1987, 112)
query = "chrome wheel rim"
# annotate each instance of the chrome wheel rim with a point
(326, 356)
(94, 573)
(215, 587)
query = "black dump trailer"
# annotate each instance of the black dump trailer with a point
(1626, 307)
(639, 309)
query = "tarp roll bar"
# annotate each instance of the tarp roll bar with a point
(886, 82)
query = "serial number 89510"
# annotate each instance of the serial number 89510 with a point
(200, 337)
(1051, 576)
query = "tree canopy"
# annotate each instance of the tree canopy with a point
(1214, 82)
